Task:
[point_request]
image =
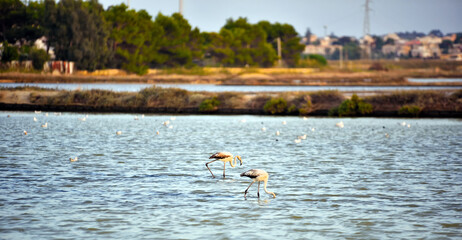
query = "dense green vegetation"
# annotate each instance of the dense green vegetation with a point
(352, 107)
(410, 110)
(118, 37)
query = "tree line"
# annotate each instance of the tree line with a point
(119, 37)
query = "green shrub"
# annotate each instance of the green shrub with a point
(292, 109)
(410, 110)
(306, 108)
(276, 106)
(209, 105)
(333, 111)
(9, 52)
(353, 107)
(321, 60)
(38, 57)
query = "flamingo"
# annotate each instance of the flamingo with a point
(340, 124)
(257, 175)
(45, 125)
(224, 157)
(297, 140)
(35, 119)
(25, 132)
(73, 159)
(119, 132)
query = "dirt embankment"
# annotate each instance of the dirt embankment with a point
(158, 100)
(257, 77)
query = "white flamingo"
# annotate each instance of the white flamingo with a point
(73, 159)
(45, 125)
(340, 124)
(119, 132)
(224, 157)
(257, 175)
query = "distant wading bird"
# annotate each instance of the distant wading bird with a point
(224, 157)
(260, 176)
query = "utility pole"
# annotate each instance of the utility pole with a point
(279, 52)
(366, 26)
(181, 7)
(341, 57)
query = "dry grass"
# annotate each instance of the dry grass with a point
(173, 98)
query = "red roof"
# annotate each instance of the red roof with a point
(413, 42)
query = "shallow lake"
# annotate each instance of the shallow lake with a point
(352, 182)
(434, 80)
(135, 87)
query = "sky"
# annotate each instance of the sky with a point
(341, 17)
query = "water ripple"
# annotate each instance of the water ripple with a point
(338, 183)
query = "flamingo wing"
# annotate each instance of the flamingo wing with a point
(254, 173)
(221, 155)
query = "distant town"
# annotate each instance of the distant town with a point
(406, 45)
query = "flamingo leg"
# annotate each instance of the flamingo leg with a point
(207, 165)
(258, 191)
(245, 192)
(224, 167)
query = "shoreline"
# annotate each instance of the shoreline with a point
(194, 111)
(392, 78)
